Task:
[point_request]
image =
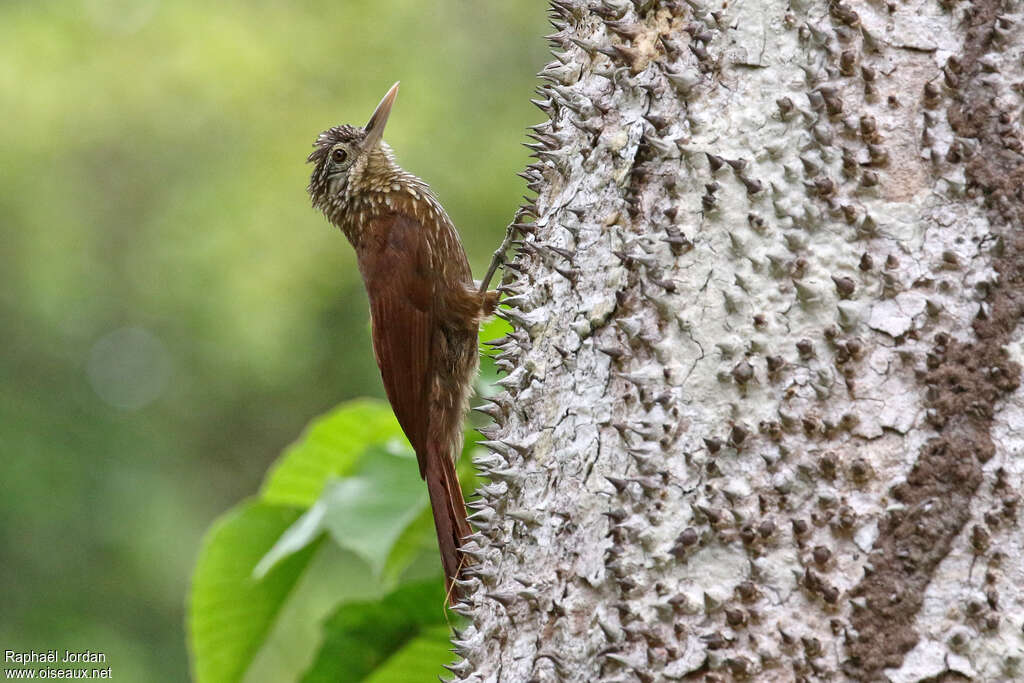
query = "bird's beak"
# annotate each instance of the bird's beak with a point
(375, 126)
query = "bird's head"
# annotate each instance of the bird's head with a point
(350, 160)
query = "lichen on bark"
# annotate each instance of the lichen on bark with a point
(762, 416)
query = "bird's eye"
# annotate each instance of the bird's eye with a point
(339, 155)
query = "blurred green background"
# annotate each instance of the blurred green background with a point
(173, 311)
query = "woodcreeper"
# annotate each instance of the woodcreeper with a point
(424, 307)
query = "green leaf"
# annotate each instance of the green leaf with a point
(417, 540)
(377, 511)
(420, 660)
(402, 637)
(332, 577)
(365, 512)
(368, 511)
(331, 446)
(304, 531)
(230, 612)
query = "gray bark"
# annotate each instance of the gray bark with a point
(762, 417)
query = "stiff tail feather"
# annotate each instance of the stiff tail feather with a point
(450, 522)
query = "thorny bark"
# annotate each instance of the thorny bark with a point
(763, 415)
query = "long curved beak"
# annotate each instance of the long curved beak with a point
(375, 126)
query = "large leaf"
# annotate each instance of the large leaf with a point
(331, 577)
(365, 512)
(402, 637)
(417, 541)
(331, 447)
(420, 659)
(230, 612)
(299, 535)
(249, 612)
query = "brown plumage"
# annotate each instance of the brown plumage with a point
(424, 307)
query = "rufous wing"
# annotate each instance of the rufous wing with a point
(395, 264)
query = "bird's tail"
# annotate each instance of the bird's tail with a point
(449, 510)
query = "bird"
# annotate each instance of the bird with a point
(425, 307)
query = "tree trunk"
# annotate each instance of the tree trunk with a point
(762, 415)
